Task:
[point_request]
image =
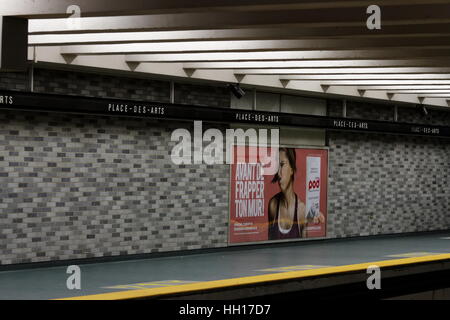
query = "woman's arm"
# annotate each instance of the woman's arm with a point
(301, 219)
(272, 215)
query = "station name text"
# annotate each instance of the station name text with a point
(136, 109)
(348, 124)
(6, 100)
(425, 130)
(256, 117)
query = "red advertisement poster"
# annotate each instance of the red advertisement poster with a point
(289, 204)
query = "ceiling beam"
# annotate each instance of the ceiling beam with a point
(288, 55)
(384, 82)
(416, 91)
(327, 17)
(434, 96)
(324, 36)
(33, 8)
(257, 45)
(372, 77)
(402, 87)
(293, 74)
(431, 30)
(318, 64)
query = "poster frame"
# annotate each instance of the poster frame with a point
(230, 244)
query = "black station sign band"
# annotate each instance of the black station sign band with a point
(14, 100)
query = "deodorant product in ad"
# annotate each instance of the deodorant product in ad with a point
(312, 187)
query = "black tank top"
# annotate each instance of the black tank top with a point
(274, 230)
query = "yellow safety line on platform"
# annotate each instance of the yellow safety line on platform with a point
(217, 284)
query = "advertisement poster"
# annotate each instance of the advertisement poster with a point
(290, 204)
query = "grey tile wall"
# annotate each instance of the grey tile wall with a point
(79, 186)
(334, 108)
(94, 85)
(370, 111)
(434, 117)
(358, 110)
(383, 184)
(14, 81)
(202, 95)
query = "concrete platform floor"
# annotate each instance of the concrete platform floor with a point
(107, 277)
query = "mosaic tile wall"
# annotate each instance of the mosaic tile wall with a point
(202, 95)
(384, 184)
(101, 86)
(434, 117)
(76, 187)
(358, 110)
(79, 186)
(14, 81)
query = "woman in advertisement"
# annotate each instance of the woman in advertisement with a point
(287, 213)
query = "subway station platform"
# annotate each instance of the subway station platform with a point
(239, 273)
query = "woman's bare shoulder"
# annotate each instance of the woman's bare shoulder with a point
(273, 207)
(301, 205)
(301, 210)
